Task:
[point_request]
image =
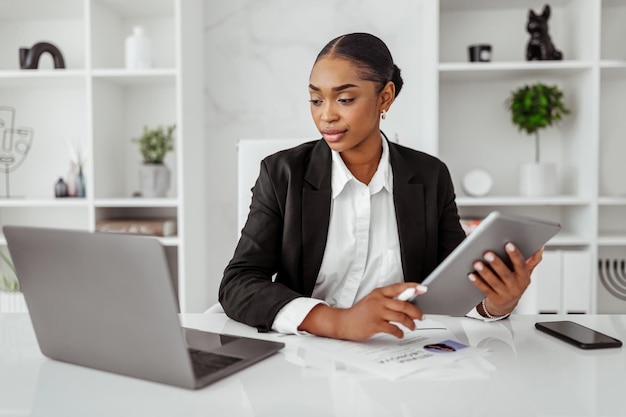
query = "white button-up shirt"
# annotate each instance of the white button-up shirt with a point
(362, 248)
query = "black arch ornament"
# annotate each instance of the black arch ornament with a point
(29, 57)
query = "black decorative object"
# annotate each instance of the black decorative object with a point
(15, 144)
(540, 46)
(479, 53)
(60, 188)
(29, 58)
(613, 277)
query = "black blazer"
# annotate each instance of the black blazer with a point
(287, 227)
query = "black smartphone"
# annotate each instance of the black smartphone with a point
(578, 335)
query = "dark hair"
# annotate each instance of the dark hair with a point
(370, 53)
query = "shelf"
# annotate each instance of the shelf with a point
(568, 239)
(612, 201)
(136, 202)
(606, 239)
(165, 241)
(139, 8)
(464, 5)
(463, 71)
(36, 10)
(613, 68)
(137, 77)
(522, 201)
(43, 203)
(41, 78)
(169, 241)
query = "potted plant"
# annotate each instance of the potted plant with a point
(154, 175)
(535, 107)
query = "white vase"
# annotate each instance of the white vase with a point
(538, 179)
(138, 50)
(154, 180)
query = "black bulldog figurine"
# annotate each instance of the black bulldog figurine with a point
(540, 46)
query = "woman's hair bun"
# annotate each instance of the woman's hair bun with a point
(396, 78)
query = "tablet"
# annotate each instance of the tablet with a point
(450, 292)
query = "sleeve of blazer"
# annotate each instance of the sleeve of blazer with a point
(247, 292)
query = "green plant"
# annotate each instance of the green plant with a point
(155, 143)
(8, 283)
(535, 107)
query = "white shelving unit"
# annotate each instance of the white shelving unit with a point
(470, 126)
(99, 105)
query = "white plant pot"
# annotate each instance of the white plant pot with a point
(12, 302)
(154, 180)
(538, 179)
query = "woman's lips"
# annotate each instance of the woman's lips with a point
(333, 135)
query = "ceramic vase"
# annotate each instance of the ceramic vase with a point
(154, 180)
(538, 179)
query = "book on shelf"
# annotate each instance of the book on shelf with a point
(150, 227)
(469, 224)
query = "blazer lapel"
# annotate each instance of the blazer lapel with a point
(316, 200)
(408, 197)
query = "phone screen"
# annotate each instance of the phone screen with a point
(578, 335)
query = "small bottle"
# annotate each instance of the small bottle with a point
(60, 188)
(79, 183)
(138, 50)
(69, 181)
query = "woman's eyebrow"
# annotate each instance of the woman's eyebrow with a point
(338, 88)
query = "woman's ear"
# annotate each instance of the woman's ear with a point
(387, 95)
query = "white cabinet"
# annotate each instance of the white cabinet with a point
(471, 125)
(99, 105)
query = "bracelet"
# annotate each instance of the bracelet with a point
(487, 312)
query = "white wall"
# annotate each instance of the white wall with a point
(258, 55)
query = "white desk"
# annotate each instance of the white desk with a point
(535, 375)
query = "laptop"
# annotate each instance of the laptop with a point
(107, 301)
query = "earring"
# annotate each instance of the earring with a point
(383, 114)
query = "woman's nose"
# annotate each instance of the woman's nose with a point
(328, 113)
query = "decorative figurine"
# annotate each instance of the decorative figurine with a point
(29, 58)
(540, 46)
(15, 143)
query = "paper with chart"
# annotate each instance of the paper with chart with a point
(430, 345)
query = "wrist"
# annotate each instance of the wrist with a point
(492, 312)
(322, 320)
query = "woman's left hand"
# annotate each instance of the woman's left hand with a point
(502, 286)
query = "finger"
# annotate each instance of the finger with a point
(534, 260)
(480, 284)
(391, 329)
(498, 266)
(489, 277)
(519, 263)
(393, 290)
(409, 309)
(398, 317)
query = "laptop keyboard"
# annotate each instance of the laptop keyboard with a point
(205, 363)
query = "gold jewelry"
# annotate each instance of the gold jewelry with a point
(383, 114)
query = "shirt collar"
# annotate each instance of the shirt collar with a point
(341, 175)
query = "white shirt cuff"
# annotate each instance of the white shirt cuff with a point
(292, 315)
(474, 314)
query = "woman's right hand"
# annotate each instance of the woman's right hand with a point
(375, 313)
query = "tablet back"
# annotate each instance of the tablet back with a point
(450, 292)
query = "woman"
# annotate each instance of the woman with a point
(350, 221)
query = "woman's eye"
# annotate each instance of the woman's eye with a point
(345, 100)
(315, 102)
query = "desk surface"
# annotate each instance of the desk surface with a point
(533, 374)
